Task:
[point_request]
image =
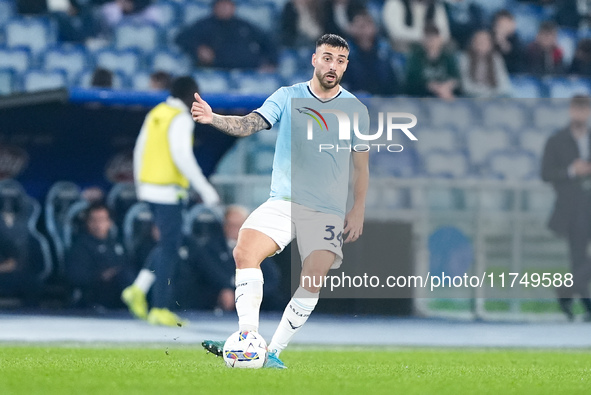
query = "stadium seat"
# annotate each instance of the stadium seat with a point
(564, 88)
(204, 225)
(527, 18)
(137, 227)
(260, 160)
(445, 164)
(551, 114)
(213, 81)
(432, 138)
(458, 114)
(508, 114)
(73, 60)
(143, 37)
(141, 81)
(61, 196)
(261, 14)
(168, 12)
(490, 7)
(125, 61)
(480, 142)
(527, 87)
(249, 83)
(194, 11)
(289, 63)
(39, 80)
(7, 81)
(174, 63)
(74, 222)
(16, 59)
(404, 164)
(567, 41)
(119, 199)
(533, 140)
(7, 11)
(517, 165)
(37, 34)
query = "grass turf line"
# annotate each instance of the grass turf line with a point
(78, 370)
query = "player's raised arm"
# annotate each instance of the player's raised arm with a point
(238, 126)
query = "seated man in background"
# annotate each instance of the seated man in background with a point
(97, 263)
(225, 41)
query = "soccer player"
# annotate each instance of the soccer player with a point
(319, 221)
(164, 168)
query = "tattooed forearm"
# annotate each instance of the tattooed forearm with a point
(239, 126)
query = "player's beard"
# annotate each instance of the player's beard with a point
(324, 83)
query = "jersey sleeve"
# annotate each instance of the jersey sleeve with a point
(273, 108)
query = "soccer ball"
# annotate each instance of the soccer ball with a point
(245, 350)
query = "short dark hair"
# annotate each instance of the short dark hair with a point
(548, 27)
(431, 30)
(102, 78)
(580, 101)
(162, 78)
(183, 88)
(95, 206)
(502, 14)
(333, 40)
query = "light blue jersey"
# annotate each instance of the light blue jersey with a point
(319, 178)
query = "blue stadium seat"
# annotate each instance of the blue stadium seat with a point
(567, 41)
(213, 81)
(126, 61)
(459, 114)
(119, 199)
(168, 12)
(550, 114)
(504, 113)
(174, 63)
(489, 7)
(7, 11)
(38, 80)
(534, 139)
(7, 81)
(259, 13)
(289, 63)
(445, 164)
(564, 88)
(480, 142)
(528, 18)
(432, 138)
(141, 81)
(137, 227)
(140, 36)
(527, 87)
(194, 11)
(37, 34)
(403, 164)
(16, 59)
(515, 165)
(248, 82)
(72, 60)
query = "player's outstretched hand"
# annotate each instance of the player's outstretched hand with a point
(201, 111)
(353, 225)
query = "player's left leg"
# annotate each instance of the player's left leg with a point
(304, 300)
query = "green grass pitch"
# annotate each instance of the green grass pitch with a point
(112, 370)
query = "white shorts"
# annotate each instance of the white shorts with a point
(283, 221)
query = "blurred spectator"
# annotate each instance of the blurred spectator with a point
(302, 22)
(483, 70)
(544, 56)
(369, 69)
(340, 15)
(31, 7)
(405, 21)
(225, 41)
(431, 70)
(160, 81)
(465, 18)
(507, 41)
(17, 278)
(76, 21)
(273, 299)
(569, 14)
(115, 12)
(102, 78)
(581, 64)
(97, 263)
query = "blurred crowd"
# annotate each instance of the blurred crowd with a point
(440, 48)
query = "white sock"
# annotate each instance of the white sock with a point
(248, 297)
(144, 280)
(295, 315)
